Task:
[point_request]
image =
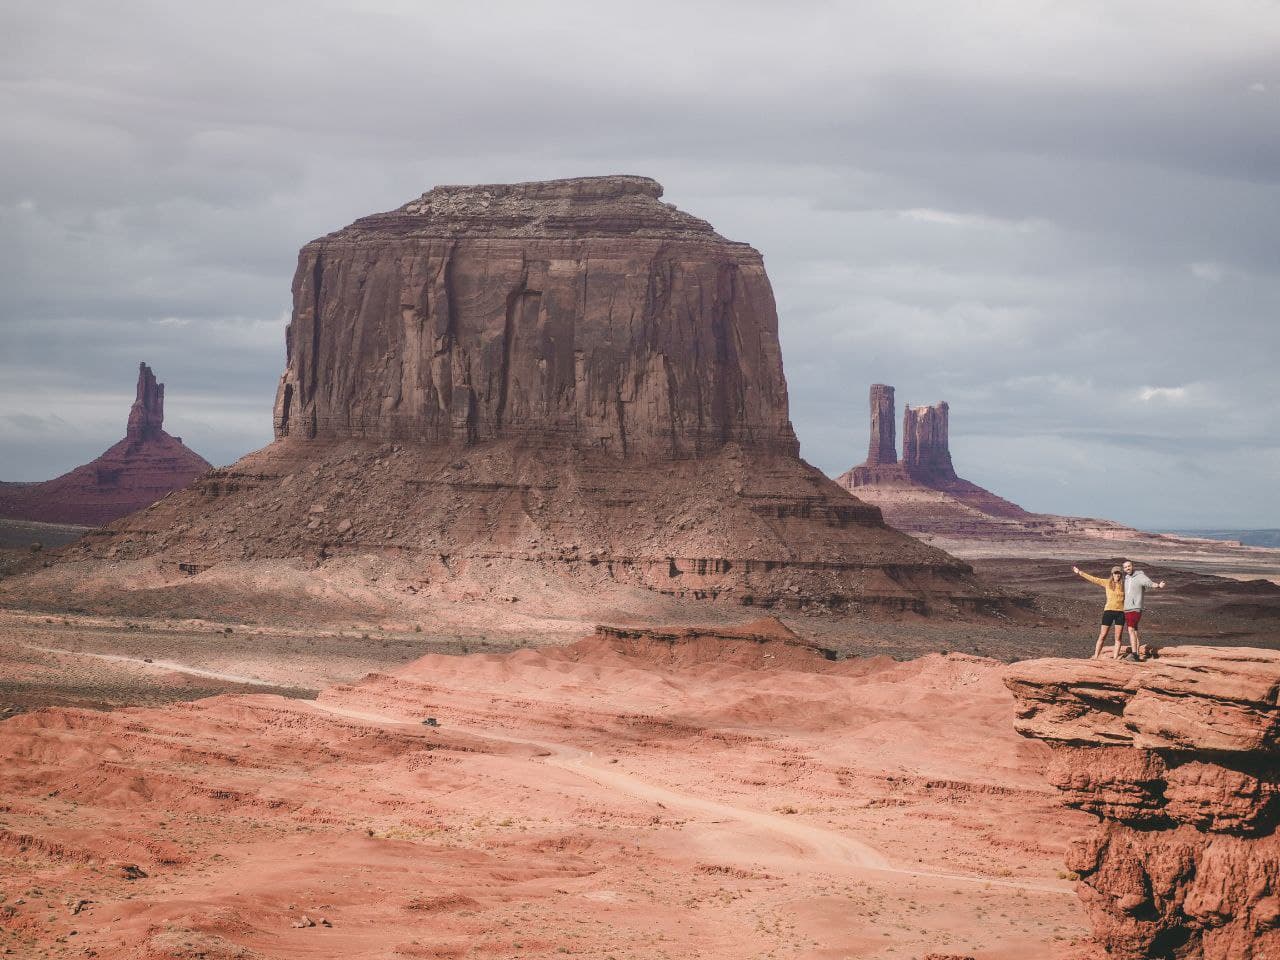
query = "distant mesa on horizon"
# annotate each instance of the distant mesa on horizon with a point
(925, 465)
(922, 494)
(145, 466)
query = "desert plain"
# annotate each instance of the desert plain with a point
(792, 786)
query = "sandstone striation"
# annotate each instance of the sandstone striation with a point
(145, 466)
(1179, 758)
(516, 390)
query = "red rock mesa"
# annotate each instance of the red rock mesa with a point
(1179, 758)
(143, 467)
(496, 385)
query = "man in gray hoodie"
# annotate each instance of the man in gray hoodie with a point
(1136, 585)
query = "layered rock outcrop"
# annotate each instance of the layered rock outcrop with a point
(568, 382)
(1179, 758)
(883, 447)
(146, 416)
(145, 466)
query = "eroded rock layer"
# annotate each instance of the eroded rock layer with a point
(136, 472)
(1179, 758)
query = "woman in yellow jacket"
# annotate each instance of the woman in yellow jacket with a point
(1113, 612)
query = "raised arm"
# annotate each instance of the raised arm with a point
(1089, 576)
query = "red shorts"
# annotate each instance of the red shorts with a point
(1131, 618)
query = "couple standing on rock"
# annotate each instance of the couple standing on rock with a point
(1126, 590)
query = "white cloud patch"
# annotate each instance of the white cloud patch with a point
(1208, 271)
(1163, 395)
(968, 220)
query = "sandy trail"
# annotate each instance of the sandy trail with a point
(821, 846)
(171, 666)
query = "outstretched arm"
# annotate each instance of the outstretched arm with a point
(1089, 576)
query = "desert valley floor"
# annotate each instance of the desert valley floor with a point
(185, 787)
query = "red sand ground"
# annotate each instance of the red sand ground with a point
(615, 798)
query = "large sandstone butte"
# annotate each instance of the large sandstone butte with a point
(1179, 758)
(494, 389)
(585, 311)
(136, 472)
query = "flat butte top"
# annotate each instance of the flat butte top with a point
(617, 206)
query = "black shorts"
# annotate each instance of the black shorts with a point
(1113, 618)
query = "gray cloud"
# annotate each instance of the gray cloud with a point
(1061, 218)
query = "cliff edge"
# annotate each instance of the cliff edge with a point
(1179, 758)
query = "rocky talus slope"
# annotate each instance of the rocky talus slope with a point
(1179, 758)
(496, 387)
(136, 472)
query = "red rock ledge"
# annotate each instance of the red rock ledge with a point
(1179, 758)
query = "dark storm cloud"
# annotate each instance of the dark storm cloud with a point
(1061, 218)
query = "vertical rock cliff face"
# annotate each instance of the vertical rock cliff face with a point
(926, 444)
(134, 473)
(1179, 758)
(883, 448)
(882, 464)
(584, 310)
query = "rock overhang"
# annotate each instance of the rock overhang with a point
(1192, 698)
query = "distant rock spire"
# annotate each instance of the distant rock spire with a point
(926, 443)
(146, 416)
(883, 448)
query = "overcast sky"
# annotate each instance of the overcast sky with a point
(1063, 218)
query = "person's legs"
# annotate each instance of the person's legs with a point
(1131, 618)
(1097, 647)
(1119, 635)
